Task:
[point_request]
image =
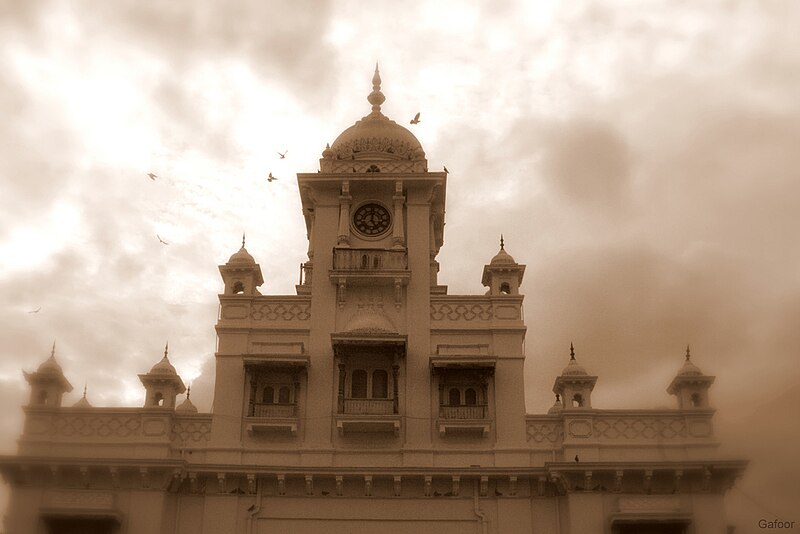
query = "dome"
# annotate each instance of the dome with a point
(50, 365)
(556, 407)
(689, 369)
(502, 257)
(573, 368)
(186, 406)
(242, 256)
(82, 403)
(370, 321)
(375, 136)
(163, 367)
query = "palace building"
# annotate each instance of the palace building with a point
(372, 400)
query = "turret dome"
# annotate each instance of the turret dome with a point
(375, 136)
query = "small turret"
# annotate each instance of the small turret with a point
(503, 275)
(242, 275)
(574, 384)
(48, 383)
(690, 385)
(162, 384)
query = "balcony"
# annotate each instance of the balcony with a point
(462, 412)
(368, 415)
(461, 419)
(369, 406)
(273, 417)
(356, 265)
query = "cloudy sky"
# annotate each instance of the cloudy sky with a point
(642, 158)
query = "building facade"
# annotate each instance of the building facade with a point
(370, 401)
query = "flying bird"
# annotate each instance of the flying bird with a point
(415, 120)
(577, 459)
(36, 310)
(271, 178)
(152, 176)
(283, 154)
(161, 240)
(445, 169)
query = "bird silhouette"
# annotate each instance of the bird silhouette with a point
(497, 493)
(36, 310)
(271, 178)
(152, 176)
(161, 240)
(354, 169)
(577, 459)
(283, 154)
(445, 169)
(415, 120)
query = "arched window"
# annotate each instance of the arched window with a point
(42, 398)
(380, 384)
(358, 384)
(695, 400)
(283, 395)
(158, 399)
(238, 287)
(505, 289)
(454, 397)
(268, 395)
(577, 401)
(470, 397)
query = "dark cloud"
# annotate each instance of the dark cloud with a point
(588, 162)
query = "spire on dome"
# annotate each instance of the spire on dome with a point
(242, 239)
(376, 98)
(502, 243)
(688, 354)
(166, 350)
(571, 351)
(84, 389)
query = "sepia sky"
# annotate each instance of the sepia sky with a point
(641, 158)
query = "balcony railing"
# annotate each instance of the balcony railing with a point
(369, 406)
(273, 410)
(369, 260)
(447, 411)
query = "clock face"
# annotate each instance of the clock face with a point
(372, 220)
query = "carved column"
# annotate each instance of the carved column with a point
(398, 233)
(343, 239)
(253, 392)
(340, 400)
(395, 388)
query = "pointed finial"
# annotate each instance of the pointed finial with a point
(688, 354)
(502, 243)
(242, 239)
(84, 390)
(53, 350)
(571, 351)
(188, 391)
(166, 349)
(376, 98)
